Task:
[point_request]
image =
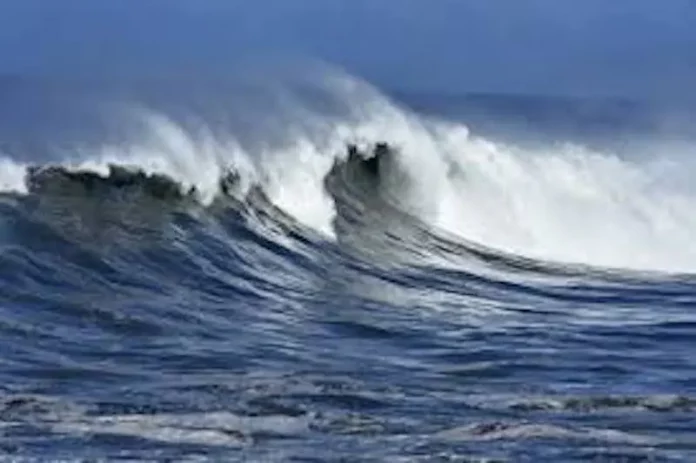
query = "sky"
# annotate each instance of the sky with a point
(644, 48)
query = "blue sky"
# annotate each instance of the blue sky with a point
(614, 47)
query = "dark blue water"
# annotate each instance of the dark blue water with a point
(139, 323)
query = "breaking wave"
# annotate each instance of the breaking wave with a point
(306, 151)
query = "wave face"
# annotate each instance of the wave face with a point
(290, 267)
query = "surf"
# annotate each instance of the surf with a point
(561, 202)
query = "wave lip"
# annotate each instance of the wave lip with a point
(55, 179)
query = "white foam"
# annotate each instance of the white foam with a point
(12, 176)
(214, 428)
(527, 431)
(569, 204)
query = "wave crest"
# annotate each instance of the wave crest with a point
(561, 204)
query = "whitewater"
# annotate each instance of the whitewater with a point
(233, 271)
(561, 203)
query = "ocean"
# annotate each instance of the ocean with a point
(301, 266)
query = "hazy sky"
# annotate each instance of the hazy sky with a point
(629, 47)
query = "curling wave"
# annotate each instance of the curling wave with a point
(361, 154)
